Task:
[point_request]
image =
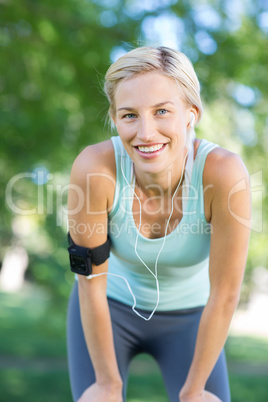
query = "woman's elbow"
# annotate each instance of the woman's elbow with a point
(227, 300)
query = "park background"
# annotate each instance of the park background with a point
(53, 57)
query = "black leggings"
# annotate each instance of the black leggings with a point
(169, 337)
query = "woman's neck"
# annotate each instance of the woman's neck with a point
(164, 183)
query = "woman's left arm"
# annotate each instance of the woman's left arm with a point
(230, 206)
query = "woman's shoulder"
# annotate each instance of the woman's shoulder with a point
(96, 158)
(223, 169)
(224, 174)
(221, 161)
(95, 167)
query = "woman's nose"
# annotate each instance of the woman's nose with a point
(146, 130)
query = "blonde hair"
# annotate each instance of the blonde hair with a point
(170, 62)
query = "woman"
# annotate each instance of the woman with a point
(171, 206)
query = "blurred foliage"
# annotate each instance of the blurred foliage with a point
(53, 59)
(33, 325)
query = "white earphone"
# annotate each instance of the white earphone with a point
(190, 135)
(192, 119)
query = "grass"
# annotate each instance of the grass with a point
(33, 357)
(249, 389)
(144, 377)
(29, 386)
(247, 350)
(31, 325)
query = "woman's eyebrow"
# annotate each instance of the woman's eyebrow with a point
(154, 106)
(163, 103)
(125, 108)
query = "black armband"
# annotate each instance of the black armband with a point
(81, 258)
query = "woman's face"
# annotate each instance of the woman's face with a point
(152, 121)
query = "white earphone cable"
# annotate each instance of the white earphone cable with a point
(136, 244)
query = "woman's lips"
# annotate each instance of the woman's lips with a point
(149, 152)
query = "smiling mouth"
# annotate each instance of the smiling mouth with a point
(152, 149)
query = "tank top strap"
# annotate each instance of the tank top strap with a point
(196, 195)
(205, 147)
(187, 177)
(124, 173)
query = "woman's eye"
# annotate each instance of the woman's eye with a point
(161, 111)
(129, 116)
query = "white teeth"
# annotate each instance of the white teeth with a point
(151, 149)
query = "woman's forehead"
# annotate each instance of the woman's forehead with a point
(149, 84)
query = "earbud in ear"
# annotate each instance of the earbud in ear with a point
(192, 119)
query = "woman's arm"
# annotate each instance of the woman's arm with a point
(99, 338)
(90, 196)
(230, 218)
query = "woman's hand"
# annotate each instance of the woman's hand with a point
(204, 396)
(102, 393)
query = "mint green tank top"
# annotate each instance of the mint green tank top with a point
(182, 268)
